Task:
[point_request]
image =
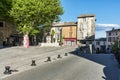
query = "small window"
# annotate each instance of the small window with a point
(97, 43)
(116, 33)
(84, 19)
(109, 39)
(1, 24)
(104, 42)
(84, 42)
(109, 34)
(90, 42)
(113, 38)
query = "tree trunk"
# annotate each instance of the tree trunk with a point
(26, 43)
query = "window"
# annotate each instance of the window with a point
(70, 29)
(109, 34)
(113, 39)
(104, 43)
(1, 24)
(90, 42)
(119, 43)
(1, 36)
(97, 43)
(116, 33)
(84, 19)
(84, 42)
(109, 39)
(116, 38)
(70, 34)
(80, 28)
(83, 35)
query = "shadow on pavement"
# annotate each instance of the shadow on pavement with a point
(3, 47)
(110, 73)
(111, 70)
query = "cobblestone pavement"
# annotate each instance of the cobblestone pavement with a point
(19, 58)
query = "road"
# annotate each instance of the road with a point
(83, 67)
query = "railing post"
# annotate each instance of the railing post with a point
(59, 56)
(33, 63)
(7, 70)
(49, 59)
(66, 54)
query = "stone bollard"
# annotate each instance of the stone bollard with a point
(7, 70)
(59, 56)
(49, 59)
(66, 54)
(33, 63)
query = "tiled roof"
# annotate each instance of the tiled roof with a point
(100, 39)
(113, 30)
(60, 24)
(86, 15)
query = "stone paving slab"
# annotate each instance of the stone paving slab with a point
(73, 67)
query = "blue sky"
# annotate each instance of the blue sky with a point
(106, 11)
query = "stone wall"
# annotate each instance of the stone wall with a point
(5, 31)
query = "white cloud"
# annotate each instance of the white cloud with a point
(107, 25)
(102, 28)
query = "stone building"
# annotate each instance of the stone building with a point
(86, 28)
(112, 36)
(66, 31)
(100, 45)
(69, 33)
(81, 32)
(57, 33)
(6, 32)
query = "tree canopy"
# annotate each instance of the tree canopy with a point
(115, 47)
(5, 7)
(29, 14)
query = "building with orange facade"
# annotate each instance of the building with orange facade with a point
(67, 32)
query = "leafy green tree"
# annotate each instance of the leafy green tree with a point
(115, 47)
(5, 7)
(33, 13)
(29, 14)
(116, 51)
(52, 34)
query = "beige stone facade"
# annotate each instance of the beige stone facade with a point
(86, 27)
